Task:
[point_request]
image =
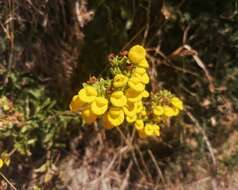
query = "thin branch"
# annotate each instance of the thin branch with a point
(143, 162)
(202, 66)
(209, 147)
(187, 50)
(185, 35)
(124, 184)
(205, 138)
(147, 25)
(133, 38)
(157, 167)
(12, 186)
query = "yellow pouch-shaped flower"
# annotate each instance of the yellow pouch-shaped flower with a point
(99, 105)
(139, 124)
(118, 99)
(176, 102)
(130, 109)
(87, 94)
(131, 119)
(143, 78)
(132, 95)
(119, 80)
(170, 112)
(135, 84)
(88, 116)
(136, 54)
(158, 110)
(115, 116)
(76, 104)
(149, 129)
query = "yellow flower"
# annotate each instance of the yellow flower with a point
(87, 94)
(118, 99)
(143, 78)
(99, 105)
(130, 109)
(115, 116)
(132, 95)
(158, 110)
(136, 54)
(76, 104)
(120, 80)
(156, 130)
(88, 116)
(177, 103)
(135, 84)
(131, 119)
(149, 129)
(145, 94)
(169, 112)
(143, 63)
(139, 124)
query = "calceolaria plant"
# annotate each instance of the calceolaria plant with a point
(122, 97)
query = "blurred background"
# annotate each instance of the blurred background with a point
(48, 48)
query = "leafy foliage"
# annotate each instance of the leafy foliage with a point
(34, 119)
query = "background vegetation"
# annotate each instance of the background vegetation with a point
(48, 48)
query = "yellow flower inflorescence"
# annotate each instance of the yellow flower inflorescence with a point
(123, 98)
(167, 106)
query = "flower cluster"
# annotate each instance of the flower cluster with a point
(123, 97)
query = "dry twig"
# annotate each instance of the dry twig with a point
(209, 147)
(157, 167)
(12, 186)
